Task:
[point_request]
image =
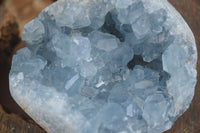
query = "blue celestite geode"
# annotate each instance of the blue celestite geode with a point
(105, 66)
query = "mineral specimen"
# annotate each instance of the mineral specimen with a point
(105, 66)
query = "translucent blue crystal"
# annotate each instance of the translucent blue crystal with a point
(105, 66)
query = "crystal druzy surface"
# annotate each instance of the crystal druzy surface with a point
(105, 66)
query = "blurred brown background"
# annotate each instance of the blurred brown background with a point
(15, 13)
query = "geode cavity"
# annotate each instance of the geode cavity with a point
(105, 66)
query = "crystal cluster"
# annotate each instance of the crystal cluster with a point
(105, 66)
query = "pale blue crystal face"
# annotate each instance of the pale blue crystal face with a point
(105, 66)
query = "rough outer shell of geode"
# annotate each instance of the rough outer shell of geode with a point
(105, 66)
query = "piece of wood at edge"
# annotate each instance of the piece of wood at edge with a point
(10, 123)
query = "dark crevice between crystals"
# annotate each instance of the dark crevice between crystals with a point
(84, 31)
(154, 65)
(109, 26)
(138, 60)
(50, 28)
(66, 30)
(48, 55)
(164, 76)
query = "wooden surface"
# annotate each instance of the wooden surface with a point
(15, 121)
(13, 15)
(11, 123)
